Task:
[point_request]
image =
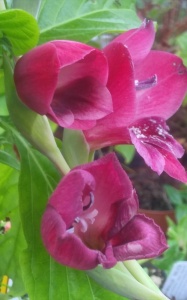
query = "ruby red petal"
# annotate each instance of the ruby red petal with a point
(173, 167)
(65, 247)
(83, 99)
(120, 84)
(36, 76)
(140, 238)
(138, 41)
(70, 190)
(166, 96)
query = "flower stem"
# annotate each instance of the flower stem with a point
(140, 275)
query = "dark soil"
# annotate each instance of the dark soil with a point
(150, 186)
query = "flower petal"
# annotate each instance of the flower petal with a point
(164, 98)
(127, 209)
(107, 260)
(93, 63)
(83, 99)
(158, 148)
(154, 131)
(138, 41)
(102, 135)
(140, 238)
(70, 190)
(173, 167)
(152, 156)
(36, 76)
(63, 246)
(108, 174)
(120, 84)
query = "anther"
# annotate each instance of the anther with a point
(147, 83)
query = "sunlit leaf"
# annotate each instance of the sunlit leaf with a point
(7, 159)
(20, 29)
(82, 20)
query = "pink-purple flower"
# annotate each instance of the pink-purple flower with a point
(66, 81)
(91, 218)
(147, 88)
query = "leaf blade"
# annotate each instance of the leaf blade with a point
(20, 28)
(81, 22)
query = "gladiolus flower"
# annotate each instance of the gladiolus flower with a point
(66, 81)
(91, 218)
(147, 88)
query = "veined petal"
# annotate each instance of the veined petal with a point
(103, 135)
(108, 175)
(84, 99)
(140, 238)
(36, 76)
(67, 248)
(138, 41)
(66, 81)
(154, 131)
(127, 209)
(164, 98)
(91, 218)
(151, 154)
(108, 130)
(70, 190)
(158, 147)
(173, 167)
(93, 63)
(120, 84)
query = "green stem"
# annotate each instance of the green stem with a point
(121, 282)
(140, 275)
(91, 155)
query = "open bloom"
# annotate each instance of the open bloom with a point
(147, 88)
(66, 81)
(91, 218)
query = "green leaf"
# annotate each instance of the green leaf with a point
(83, 20)
(74, 148)
(9, 160)
(43, 277)
(127, 152)
(173, 194)
(30, 6)
(20, 29)
(12, 242)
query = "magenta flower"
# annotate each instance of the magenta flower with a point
(147, 88)
(91, 218)
(66, 81)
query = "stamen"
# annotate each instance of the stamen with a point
(91, 202)
(77, 220)
(146, 84)
(71, 230)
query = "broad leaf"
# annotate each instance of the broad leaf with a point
(9, 160)
(20, 29)
(12, 242)
(30, 6)
(83, 20)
